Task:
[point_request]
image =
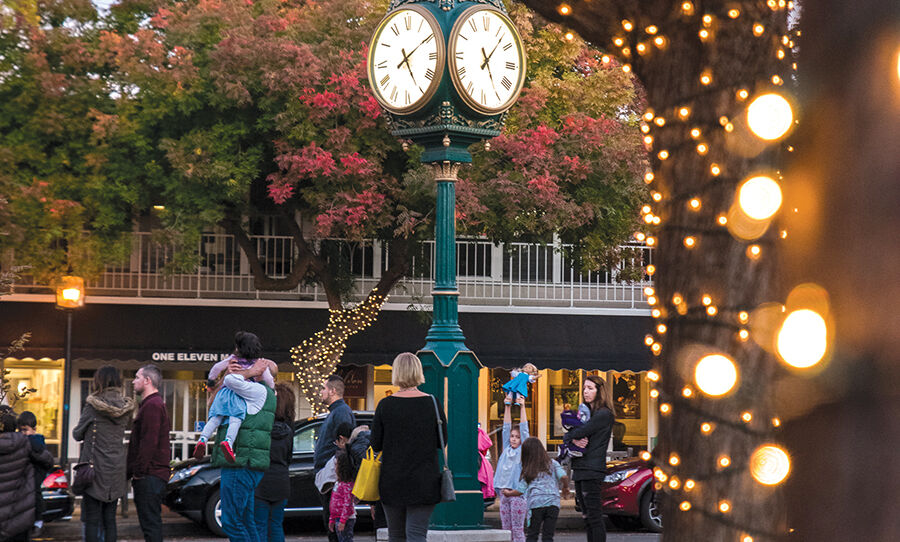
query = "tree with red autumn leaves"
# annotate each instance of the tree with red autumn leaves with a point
(228, 110)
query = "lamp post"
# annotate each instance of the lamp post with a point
(69, 296)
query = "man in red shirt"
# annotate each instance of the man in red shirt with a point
(149, 452)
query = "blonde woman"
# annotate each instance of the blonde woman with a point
(405, 430)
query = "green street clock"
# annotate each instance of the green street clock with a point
(446, 72)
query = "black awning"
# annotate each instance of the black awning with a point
(135, 332)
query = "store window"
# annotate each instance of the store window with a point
(382, 386)
(563, 393)
(45, 377)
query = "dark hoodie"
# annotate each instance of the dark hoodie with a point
(276, 484)
(102, 428)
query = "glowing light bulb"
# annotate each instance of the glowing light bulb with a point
(648, 340)
(689, 484)
(659, 41)
(802, 339)
(605, 59)
(677, 299)
(626, 24)
(618, 42)
(706, 428)
(651, 269)
(641, 48)
(665, 408)
(654, 393)
(734, 13)
(743, 317)
(702, 149)
(663, 154)
(645, 455)
(656, 313)
(71, 294)
(687, 392)
(758, 29)
(687, 7)
(711, 310)
(759, 197)
(684, 112)
(715, 170)
(648, 177)
(570, 36)
(674, 459)
(747, 538)
(656, 348)
(704, 34)
(707, 20)
(715, 374)
(694, 204)
(753, 252)
(706, 300)
(626, 68)
(770, 116)
(661, 329)
(695, 133)
(744, 334)
(653, 376)
(674, 483)
(742, 94)
(656, 196)
(690, 242)
(724, 461)
(660, 121)
(684, 506)
(565, 9)
(770, 465)
(706, 78)
(724, 506)
(747, 417)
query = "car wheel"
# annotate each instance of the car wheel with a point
(651, 516)
(212, 514)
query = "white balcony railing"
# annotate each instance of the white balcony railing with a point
(519, 274)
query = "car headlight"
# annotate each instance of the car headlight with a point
(618, 476)
(185, 473)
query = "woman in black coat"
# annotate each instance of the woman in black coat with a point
(405, 430)
(275, 487)
(17, 495)
(589, 470)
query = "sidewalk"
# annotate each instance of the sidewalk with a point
(569, 519)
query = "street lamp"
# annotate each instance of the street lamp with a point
(69, 296)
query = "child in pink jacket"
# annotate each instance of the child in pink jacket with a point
(343, 509)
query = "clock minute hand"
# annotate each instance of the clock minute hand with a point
(488, 57)
(407, 55)
(406, 60)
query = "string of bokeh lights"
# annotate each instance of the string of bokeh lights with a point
(796, 331)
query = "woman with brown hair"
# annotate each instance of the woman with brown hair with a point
(102, 429)
(275, 487)
(589, 470)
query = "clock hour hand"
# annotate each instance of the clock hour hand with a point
(406, 61)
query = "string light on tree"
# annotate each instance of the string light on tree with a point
(716, 374)
(802, 339)
(759, 197)
(770, 116)
(770, 465)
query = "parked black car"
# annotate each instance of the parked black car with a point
(193, 489)
(58, 502)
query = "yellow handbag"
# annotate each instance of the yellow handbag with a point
(366, 486)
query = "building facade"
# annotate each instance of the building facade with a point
(518, 304)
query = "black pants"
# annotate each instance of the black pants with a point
(98, 516)
(325, 499)
(590, 500)
(543, 522)
(148, 498)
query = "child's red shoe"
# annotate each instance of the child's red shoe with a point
(200, 450)
(226, 449)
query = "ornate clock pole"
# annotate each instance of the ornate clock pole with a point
(446, 72)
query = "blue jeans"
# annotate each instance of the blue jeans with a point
(237, 488)
(270, 519)
(347, 534)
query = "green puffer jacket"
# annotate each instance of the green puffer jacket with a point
(251, 447)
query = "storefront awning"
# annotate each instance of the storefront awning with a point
(200, 334)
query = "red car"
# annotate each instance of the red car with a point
(629, 499)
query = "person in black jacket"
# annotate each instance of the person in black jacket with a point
(275, 487)
(589, 470)
(405, 428)
(27, 422)
(17, 464)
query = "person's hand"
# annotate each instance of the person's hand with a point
(331, 526)
(581, 443)
(340, 527)
(520, 401)
(234, 367)
(508, 400)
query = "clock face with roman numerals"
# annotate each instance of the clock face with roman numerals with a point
(487, 60)
(406, 59)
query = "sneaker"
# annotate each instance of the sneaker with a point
(226, 449)
(576, 453)
(200, 450)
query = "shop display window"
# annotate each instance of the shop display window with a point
(564, 393)
(45, 378)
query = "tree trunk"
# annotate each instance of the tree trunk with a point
(843, 427)
(317, 357)
(717, 265)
